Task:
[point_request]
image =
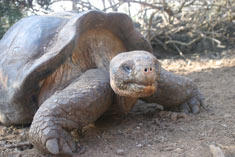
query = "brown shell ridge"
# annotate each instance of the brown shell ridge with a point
(118, 23)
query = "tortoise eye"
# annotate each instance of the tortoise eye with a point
(126, 68)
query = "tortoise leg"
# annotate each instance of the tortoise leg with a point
(79, 104)
(176, 92)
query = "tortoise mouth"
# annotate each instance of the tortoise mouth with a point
(134, 89)
(141, 89)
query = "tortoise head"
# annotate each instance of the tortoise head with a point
(134, 74)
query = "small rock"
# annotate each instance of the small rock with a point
(183, 116)
(120, 152)
(179, 150)
(216, 151)
(174, 116)
(140, 124)
(224, 125)
(219, 62)
(2, 143)
(139, 145)
(168, 149)
(227, 116)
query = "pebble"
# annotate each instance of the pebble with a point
(120, 152)
(2, 143)
(219, 62)
(140, 124)
(174, 116)
(139, 145)
(224, 125)
(179, 150)
(227, 116)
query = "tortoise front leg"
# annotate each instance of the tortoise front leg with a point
(79, 104)
(174, 91)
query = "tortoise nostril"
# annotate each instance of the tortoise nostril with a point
(148, 69)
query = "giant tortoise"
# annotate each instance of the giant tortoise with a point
(64, 71)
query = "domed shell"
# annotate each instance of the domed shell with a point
(36, 46)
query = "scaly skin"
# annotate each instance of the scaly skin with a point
(176, 92)
(79, 104)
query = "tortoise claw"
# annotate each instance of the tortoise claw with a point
(52, 139)
(61, 145)
(194, 104)
(52, 146)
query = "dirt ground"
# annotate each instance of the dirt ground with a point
(149, 132)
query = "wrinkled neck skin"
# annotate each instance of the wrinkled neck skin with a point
(121, 105)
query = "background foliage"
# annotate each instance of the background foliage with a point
(9, 13)
(172, 26)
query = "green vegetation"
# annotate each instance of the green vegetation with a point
(10, 12)
(13, 10)
(172, 27)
